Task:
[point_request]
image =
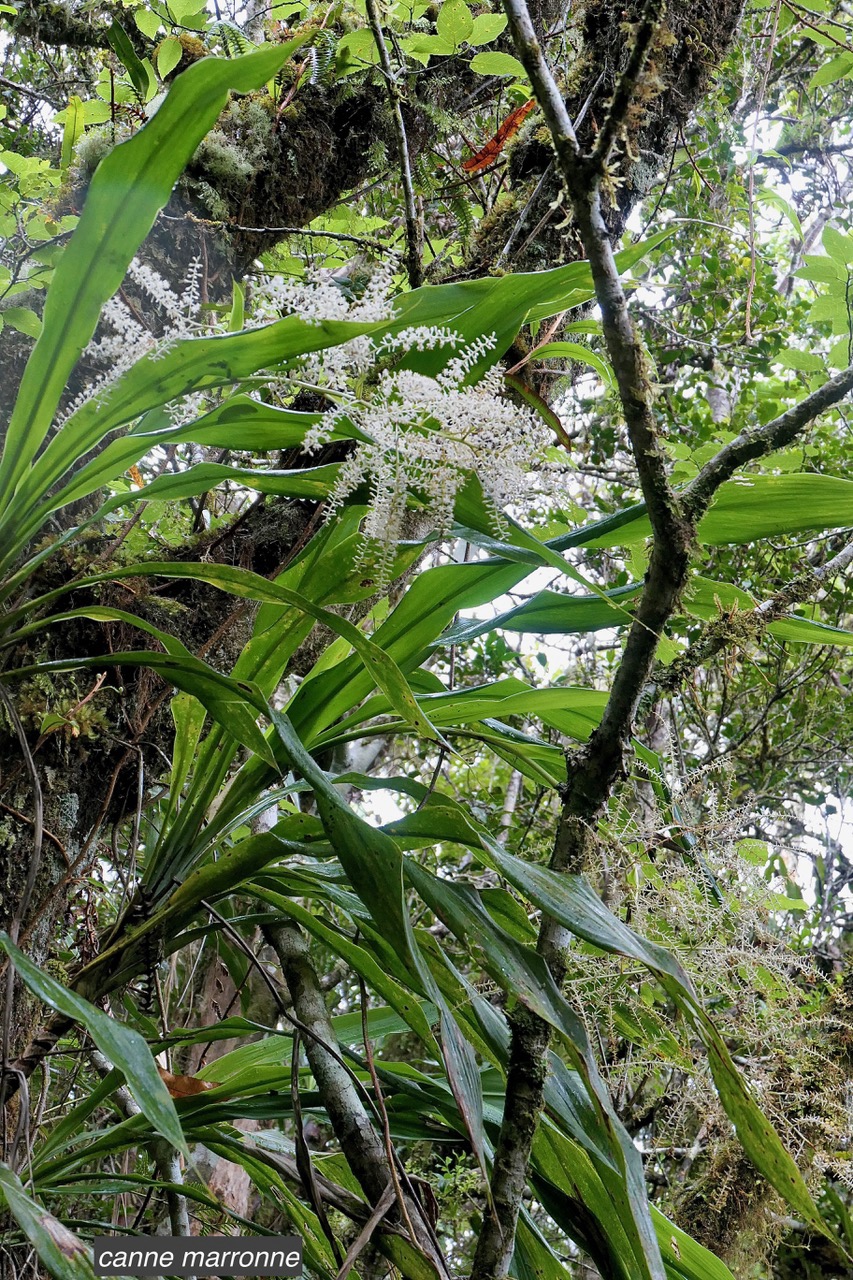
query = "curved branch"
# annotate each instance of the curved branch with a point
(757, 442)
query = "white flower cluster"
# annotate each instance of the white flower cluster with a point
(423, 337)
(324, 296)
(422, 435)
(130, 338)
(425, 436)
(127, 339)
(329, 296)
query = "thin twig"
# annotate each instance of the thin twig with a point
(168, 1165)
(799, 13)
(753, 261)
(625, 90)
(414, 224)
(23, 906)
(304, 1163)
(522, 219)
(365, 241)
(48, 835)
(519, 226)
(746, 625)
(341, 1090)
(756, 442)
(166, 1158)
(383, 1111)
(592, 770)
(364, 1236)
(22, 88)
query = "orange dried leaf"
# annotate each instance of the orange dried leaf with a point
(490, 152)
(184, 1086)
(136, 476)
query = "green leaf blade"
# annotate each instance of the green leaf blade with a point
(121, 1044)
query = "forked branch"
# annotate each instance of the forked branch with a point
(595, 768)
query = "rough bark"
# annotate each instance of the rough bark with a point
(692, 41)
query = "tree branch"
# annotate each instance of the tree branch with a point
(749, 624)
(626, 86)
(166, 1158)
(757, 442)
(379, 246)
(359, 1139)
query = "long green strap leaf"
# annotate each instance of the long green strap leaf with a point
(524, 974)
(251, 586)
(375, 868)
(124, 1047)
(573, 903)
(129, 188)
(235, 704)
(63, 1253)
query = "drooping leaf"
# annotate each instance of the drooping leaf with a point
(375, 867)
(522, 971)
(139, 69)
(745, 509)
(121, 1044)
(61, 1252)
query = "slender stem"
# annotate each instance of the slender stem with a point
(593, 770)
(17, 921)
(750, 202)
(354, 1129)
(623, 95)
(166, 1158)
(414, 224)
(380, 246)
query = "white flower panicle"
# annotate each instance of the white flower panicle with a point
(128, 340)
(424, 337)
(425, 436)
(314, 299)
(191, 297)
(330, 296)
(323, 296)
(417, 437)
(159, 290)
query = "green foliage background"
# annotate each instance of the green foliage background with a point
(696, 1120)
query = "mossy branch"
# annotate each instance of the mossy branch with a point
(595, 768)
(748, 625)
(626, 86)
